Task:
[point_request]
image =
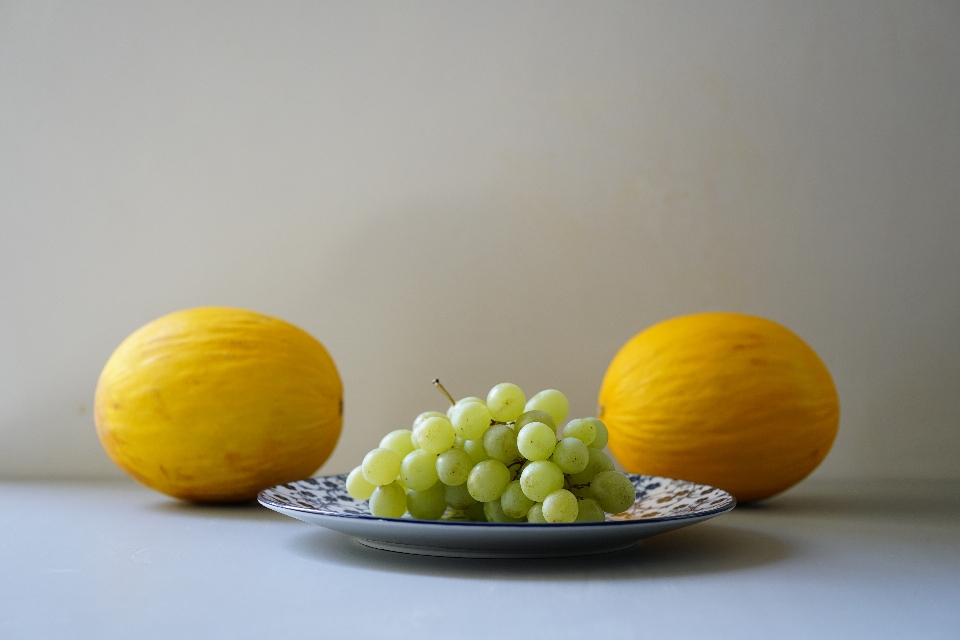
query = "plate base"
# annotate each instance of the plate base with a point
(448, 552)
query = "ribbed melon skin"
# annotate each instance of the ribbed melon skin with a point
(214, 404)
(730, 400)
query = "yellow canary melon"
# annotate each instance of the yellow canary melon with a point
(730, 400)
(214, 404)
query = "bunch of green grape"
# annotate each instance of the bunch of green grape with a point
(498, 460)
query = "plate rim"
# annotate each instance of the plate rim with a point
(273, 505)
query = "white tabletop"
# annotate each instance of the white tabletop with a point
(114, 560)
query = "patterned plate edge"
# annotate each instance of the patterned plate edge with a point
(728, 502)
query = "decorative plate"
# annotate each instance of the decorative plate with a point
(663, 504)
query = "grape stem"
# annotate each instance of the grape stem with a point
(436, 383)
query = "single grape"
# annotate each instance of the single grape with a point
(470, 419)
(613, 491)
(551, 401)
(513, 501)
(506, 402)
(495, 513)
(418, 423)
(419, 470)
(357, 485)
(380, 466)
(540, 478)
(560, 506)
(458, 497)
(435, 435)
(487, 480)
(582, 429)
(535, 514)
(589, 511)
(458, 442)
(500, 443)
(536, 441)
(429, 504)
(453, 466)
(398, 441)
(535, 415)
(571, 455)
(599, 461)
(388, 501)
(476, 450)
(601, 440)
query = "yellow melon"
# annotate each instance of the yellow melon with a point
(724, 399)
(214, 404)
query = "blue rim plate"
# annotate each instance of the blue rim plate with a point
(663, 504)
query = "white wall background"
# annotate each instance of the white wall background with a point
(483, 192)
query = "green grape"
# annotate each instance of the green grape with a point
(535, 514)
(470, 419)
(476, 450)
(475, 512)
(487, 480)
(613, 491)
(536, 441)
(571, 455)
(419, 470)
(435, 435)
(420, 419)
(500, 443)
(458, 442)
(357, 485)
(506, 402)
(453, 466)
(513, 502)
(494, 513)
(560, 506)
(601, 440)
(462, 401)
(540, 478)
(429, 504)
(399, 441)
(551, 401)
(388, 501)
(534, 416)
(582, 429)
(590, 511)
(599, 461)
(380, 466)
(458, 497)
